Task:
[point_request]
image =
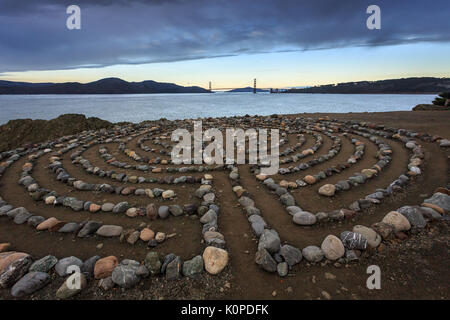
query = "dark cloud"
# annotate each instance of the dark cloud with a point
(33, 35)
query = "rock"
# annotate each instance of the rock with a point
(208, 217)
(88, 266)
(193, 267)
(70, 227)
(13, 267)
(30, 283)
(106, 283)
(292, 210)
(163, 212)
(132, 212)
(441, 201)
(160, 237)
(246, 202)
(383, 229)
(22, 217)
(34, 221)
(107, 207)
(414, 216)
(89, 228)
(173, 269)
(47, 224)
(121, 207)
(332, 248)
(282, 269)
(257, 223)
(93, 208)
(69, 288)
(125, 274)
(304, 218)
(309, 179)
(352, 240)
(373, 238)
(427, 213)
(133, 237)
(397, 220)
(287, 200)
(342, 185)
(291, 255)
(313, 254)
(265, 260)
(44, 264)
(327, 190)
(209, 197)
(104, 267)
(168, 194)
(62, 265)
(50, 200)
(167, 259)
(153, 263)
(146, 234)
(109, 231)
(142, 271)
(176, 210)
(151, 211)
(215, 259)
(270, 241)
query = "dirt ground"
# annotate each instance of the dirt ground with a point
(414, 268)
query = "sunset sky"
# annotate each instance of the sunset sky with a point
(191, 42)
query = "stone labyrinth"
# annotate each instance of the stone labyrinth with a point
(117, 189)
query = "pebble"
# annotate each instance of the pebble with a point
(146, 234)
(125, 274)
(304, 218)
(193, 267)
(13, 266)
(332, 247)
(44, 264)
(215, 259)
(313, 254)
(397, 220)
(270, 241)
(327, 190)
(104, 267)
(63, 264)
(68, 289)
(109, 231)
(30, 283)
(153, 263)
(265, 260)
(373, 238)
(168, 194)
(47, 224)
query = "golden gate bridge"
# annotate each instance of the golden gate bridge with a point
(255, 89)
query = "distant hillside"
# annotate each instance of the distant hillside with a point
(406, 85)
(247, 89)
(103, 86)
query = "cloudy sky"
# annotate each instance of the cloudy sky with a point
(191, 42)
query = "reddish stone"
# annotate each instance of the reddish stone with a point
(104, 267)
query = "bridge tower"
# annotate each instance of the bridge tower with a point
(210, 87)
(254, 85)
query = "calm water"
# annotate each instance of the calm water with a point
(136, 108)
